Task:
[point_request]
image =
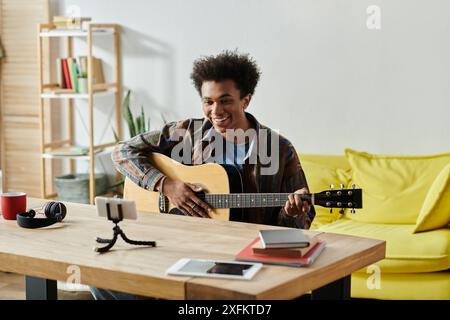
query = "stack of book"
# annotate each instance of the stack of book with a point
(70, 70)
(289, 247)
(70, 23)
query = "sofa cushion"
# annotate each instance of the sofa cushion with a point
(406, 286)
(394, 187)
(405, 252)
(319, 177)
(435, 212)
(332, 161)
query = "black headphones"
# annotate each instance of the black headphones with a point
(54, 212)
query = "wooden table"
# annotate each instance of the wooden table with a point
(55, 253)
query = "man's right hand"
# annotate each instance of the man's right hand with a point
(182, 195)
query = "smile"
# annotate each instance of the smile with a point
(221, 120)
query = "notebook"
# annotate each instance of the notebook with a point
(247, 255)
(283, 238)
(285, 252)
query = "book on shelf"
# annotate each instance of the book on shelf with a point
(82, 65)
(247, 255)
(70, 23)
(66, 74)
(283, 238)
(285, 252)
(69, 70)
(59, 73)
(72, 19)
(73, 71)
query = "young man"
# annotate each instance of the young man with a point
(227, 134)
(226, 84)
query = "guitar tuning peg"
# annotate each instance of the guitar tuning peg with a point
(342, 186)
(331, 210)
(342, 211)
(331, 186)
(353, 186)
(353, 211)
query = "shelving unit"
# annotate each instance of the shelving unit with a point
(49, 150)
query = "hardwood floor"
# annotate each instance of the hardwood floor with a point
(12, 287)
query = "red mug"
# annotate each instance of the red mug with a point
(12, 204)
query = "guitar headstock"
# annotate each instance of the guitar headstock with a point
(340, 198)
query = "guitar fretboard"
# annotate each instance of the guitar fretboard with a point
(248, 200)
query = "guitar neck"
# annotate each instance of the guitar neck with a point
(250, 200)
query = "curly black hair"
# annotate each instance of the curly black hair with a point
(228, 65)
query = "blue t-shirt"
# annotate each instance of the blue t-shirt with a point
(228, 152)
(235, 153)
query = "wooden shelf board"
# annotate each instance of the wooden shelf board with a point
(63, 153)
(51, 95)
(75, 33)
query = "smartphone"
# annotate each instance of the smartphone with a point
(115, 206)
(214, 269)
(229, 268)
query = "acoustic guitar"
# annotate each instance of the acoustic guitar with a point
(222, 190)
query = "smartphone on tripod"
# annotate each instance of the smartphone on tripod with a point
(115, 208)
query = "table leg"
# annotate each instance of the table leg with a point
(337, 290)
(40, 289)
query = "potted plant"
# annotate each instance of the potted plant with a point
(75, 187)
(136, 125)
(83, 83)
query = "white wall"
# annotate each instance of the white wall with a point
(327, 81)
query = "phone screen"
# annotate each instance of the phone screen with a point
(116, 206)
(229, 268)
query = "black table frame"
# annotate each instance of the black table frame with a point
(44, 289)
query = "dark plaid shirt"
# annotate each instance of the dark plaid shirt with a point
(131, 159)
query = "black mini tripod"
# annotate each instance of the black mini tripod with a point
(117, 231)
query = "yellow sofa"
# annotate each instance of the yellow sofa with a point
(417, 265)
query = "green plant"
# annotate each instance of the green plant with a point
(135, 125)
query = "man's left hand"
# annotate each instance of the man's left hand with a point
(295, 206)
